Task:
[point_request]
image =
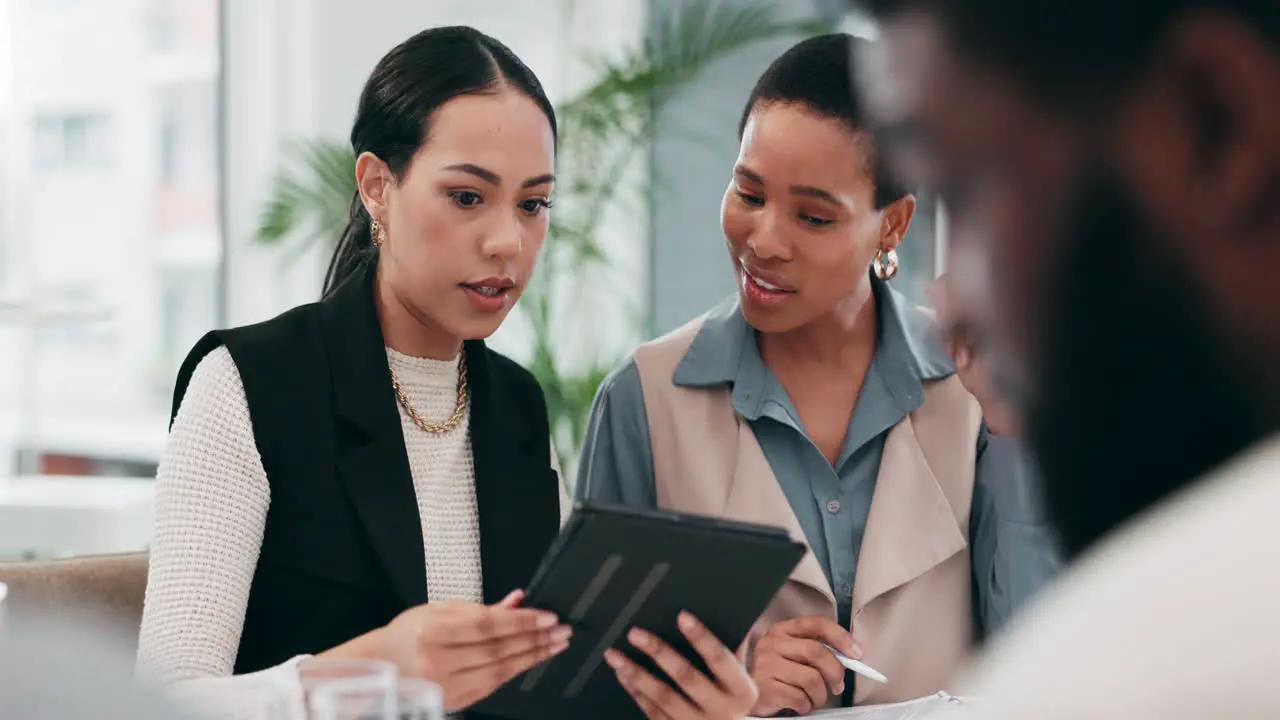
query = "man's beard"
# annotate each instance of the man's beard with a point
(1131, 397)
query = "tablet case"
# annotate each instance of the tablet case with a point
(612, 569)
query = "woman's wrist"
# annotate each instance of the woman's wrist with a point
(364, 647)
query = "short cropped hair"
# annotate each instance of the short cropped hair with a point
(817, 74)
(1066, 49)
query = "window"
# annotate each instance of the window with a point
(164, 28)
(169, 145)
(72, 141)
(109, 227)
(186, 133)
(189, 297)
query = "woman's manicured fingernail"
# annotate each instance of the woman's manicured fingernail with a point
(618, 662)
(638, 637)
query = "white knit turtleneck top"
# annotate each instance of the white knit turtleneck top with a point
(211, 505)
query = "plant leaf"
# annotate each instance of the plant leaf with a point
(310, 198)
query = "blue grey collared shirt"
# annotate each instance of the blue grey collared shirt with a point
(1013, 553)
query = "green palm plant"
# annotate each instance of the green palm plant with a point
(310, 198)
(603, 132)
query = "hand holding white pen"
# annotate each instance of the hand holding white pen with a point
(858, 666)
(794, 668)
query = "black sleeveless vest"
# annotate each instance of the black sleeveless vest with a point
(342, 553)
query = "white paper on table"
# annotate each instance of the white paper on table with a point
(940, 706)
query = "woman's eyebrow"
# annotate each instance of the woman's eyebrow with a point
(484, 174)
(814, 192)
(752, 176)
(494, 179)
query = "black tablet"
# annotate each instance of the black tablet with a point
(612, 569)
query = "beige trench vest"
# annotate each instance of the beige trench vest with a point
(912, 598)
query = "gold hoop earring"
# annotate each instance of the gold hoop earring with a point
(885, 264)
(378, 234)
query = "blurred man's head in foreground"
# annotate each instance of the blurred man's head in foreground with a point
(1115, 168)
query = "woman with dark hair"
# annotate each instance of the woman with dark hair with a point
(361, 477)
(820, 400)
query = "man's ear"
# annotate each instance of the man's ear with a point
(1228, 86)
(1199, 141)
(373, 180)
(896, 221)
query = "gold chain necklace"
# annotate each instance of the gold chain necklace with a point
(458, 409)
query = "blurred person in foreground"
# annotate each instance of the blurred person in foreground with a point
(1115, 171)
(65, 666)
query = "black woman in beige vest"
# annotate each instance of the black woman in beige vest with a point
(820, 400)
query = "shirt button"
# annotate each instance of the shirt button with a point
(846, 590)
(833, 506)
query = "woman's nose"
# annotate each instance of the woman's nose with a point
(504, 244)
(765, 242)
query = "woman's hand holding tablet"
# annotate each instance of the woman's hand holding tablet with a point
(728, 695)
(468, 649)
(656, 599)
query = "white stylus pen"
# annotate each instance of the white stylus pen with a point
(861, 668)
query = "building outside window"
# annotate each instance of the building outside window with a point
(72, 141)
(110, 241)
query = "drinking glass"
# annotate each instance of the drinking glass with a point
(365, 698)
(314, 673)
(418, 699)
(360, 699)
